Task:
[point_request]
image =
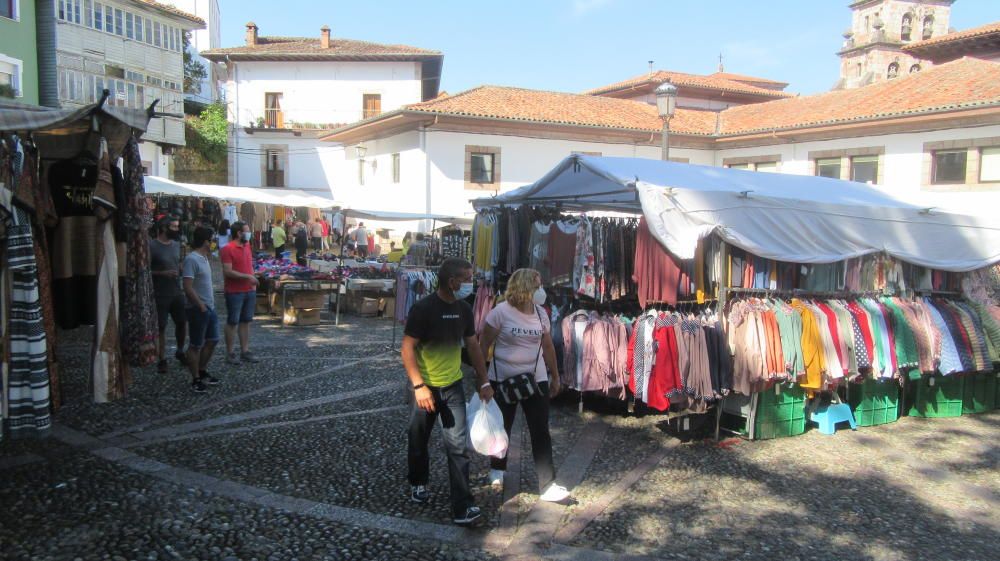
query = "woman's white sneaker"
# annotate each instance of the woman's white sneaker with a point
(554, 494)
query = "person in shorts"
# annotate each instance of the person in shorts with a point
(165, 266)
(201, 316)
(240, 288)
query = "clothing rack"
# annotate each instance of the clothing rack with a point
(401, 269)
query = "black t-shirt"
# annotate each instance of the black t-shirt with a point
(440, 327)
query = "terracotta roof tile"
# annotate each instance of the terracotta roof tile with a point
(988, 29)
(967, 82)
(682, 79)
(299, 47)
(171, 9)
(499, 102)
(745, 78)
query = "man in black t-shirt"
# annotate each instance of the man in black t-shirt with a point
(436, 328)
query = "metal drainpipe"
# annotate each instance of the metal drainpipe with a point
(236, 124)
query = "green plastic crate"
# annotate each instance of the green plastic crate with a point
(979, 393)
(780, 414)
(874, 402)
(936, 396)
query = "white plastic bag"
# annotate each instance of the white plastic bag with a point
(486, 427)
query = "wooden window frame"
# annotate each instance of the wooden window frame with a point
(492, 150)
(266, 174)
(845, 155)
(376, 109)
(878, 166)
(973, 163)
(980, 174)
(934, 166)
(752, 161)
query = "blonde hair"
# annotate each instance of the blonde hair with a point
(521, 287)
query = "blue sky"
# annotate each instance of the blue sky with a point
(573, 45)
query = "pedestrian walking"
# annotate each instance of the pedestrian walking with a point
(278, 239)
(200, 310)
(240, 288)
(436, 329)
(316, 234)
(361, 240)
(301, 244)
(325, 226)
(523, 358)
(165, 267)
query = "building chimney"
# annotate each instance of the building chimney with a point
(251, 34)
(324, 37)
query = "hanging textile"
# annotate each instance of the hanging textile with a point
(110, 375)
(656, 272)
(28, 382)
(139, 328)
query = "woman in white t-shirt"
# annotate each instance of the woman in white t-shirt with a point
(519, 327)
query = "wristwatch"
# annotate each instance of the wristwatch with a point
(418, 386)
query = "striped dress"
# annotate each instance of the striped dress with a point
(28, 382)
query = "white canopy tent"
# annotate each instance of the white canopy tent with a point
(389, 216)
(792, 218)
(286, 197)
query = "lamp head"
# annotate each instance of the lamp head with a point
(666, 99)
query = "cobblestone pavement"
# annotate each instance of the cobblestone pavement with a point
(303, 457)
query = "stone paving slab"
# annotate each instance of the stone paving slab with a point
(808, 497)
(357, 462)
(91, 509)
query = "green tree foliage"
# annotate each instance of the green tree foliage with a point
(207, 133)
(194, 71)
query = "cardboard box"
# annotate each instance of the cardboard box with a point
(305, 298)
(363, 306)
(262, 306)
(386, 307)
(301, 317)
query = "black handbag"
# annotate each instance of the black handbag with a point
(522, 386)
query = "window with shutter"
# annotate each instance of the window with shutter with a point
(372, 105)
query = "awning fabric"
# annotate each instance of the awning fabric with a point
(404, 216)
(286, 197)
(63, 133)
(793, 218)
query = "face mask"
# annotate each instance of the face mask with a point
(464, 291)
(246, 236)
(539, 296)
(174, 234)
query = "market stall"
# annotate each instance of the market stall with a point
(713, 264)
(210, 205)
(75, 253)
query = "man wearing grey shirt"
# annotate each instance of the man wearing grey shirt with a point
(165, 266)
(203, 322)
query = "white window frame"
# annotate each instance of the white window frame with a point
(19, 73)
(16, 14)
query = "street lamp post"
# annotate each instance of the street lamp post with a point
(666, 105)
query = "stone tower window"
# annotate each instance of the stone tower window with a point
(893, 70)
(906, 28)
(928, 27)
(914, 69)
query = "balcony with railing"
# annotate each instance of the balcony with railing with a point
(274, 119)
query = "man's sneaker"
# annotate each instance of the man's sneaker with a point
(198, 387)
(161, 367)
(233, 359)
(496, 477)
(181, 357)
(554, 494)
(249, 358)
(472, 514)
(419, 494)
(207, 379)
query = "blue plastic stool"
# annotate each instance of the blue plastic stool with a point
(828, 416)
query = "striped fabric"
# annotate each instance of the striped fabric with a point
(28, 384)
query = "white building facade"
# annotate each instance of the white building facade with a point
(283, 93)
(435, 157)
(210, 37)
(131, 48)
